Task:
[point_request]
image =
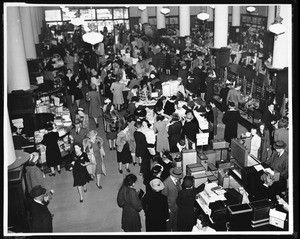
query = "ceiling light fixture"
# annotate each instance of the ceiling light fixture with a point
(165, 10)
(212, 6)
(203, 16)
(277, 27)
(251, 9)
(93, 37)
(142, 8)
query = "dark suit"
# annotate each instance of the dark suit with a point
(169, 108)
(41, 218)
(185, 201)
(171, 191)
(231, 119)
(80, 136)
(174, 132)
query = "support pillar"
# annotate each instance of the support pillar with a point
(271, 15)
(28, 38)
(10, 155)
(281, 42)
(221, 26)
(17, 70)
(236, 16)
(144, 16)
(34, 25)
(38, 28)
(184, 21)
(160, 18)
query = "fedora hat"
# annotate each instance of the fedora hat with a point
(37, 191)
(279, 144)
(176, 172)
(156, 184)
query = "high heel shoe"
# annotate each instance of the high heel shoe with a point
(110, 148)
(59, 171)
(99, 186)
(81, 200)
(85, 190)
(120, 171)
(140, 164)
(97, 125)
(128, 170)
(134, 163)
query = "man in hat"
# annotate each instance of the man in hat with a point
(83, 117)
(171, 188)
(41, 218)
(78, 133)
(231, 119)
(282, 133)
(279, 159)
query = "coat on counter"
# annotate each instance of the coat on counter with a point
(129, 201)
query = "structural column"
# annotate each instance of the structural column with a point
(184, 21)
(236, 16)
(221, 26)
(17, 70)
(34, 25)
(144, 16)
(28, 38)
(37, 19)
(160, 18)
(271, 15)
(281, 49)
(9, 147)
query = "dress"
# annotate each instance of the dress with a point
(80, 173)
(174, 132)
(97, 147)
(112, 126)
(162, 142)
(131, 141)
(53, 156)
(141, 144)
(129, 201)
(156, 210)
(95, 104)
(231, 119)
(117, 90)
(123, 151)
(186, 217)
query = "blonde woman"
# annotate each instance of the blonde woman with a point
(98, 151)
(88, 149)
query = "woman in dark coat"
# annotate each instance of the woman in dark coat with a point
(174, 131)
(141, 143)
(209, 85)
(231, 119)
(95, 103)
(80, 173)
(155, 206)
(53, 156)
(264, 151)
(185, 201)
(131, 204)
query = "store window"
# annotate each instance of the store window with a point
(104, 14)
(88, 14)
(118, 13)
(52, 15)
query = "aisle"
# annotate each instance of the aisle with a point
(99, 212)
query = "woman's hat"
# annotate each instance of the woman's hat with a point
(279, 144)
(156, 184)
(106, 101)
(176, 172)
(34, 157)
(175, 117)
(282, 123)
(37, 191)
(157, 169)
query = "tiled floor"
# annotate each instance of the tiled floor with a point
(99, 212)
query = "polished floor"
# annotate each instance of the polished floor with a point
(99, 212)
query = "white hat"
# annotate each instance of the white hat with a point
(107, 101)
(34, 157)
(156, 184)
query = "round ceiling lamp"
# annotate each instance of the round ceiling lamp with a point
(203, 16)
(92, 38)
(277, 27)
(212, 6)
(142, 8)
(165, 10)
(251, 9)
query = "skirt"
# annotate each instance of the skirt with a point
(125, 155)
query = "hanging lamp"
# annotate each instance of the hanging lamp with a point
(277, 27)
(92, 37)
(203, 16)
(251, 9)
